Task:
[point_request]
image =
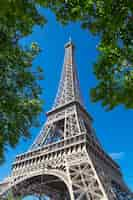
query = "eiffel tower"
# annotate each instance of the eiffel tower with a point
(66, 161)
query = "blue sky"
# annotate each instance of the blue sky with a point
(114, 128)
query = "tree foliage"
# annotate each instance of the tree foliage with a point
(20, 103)
(112, 20)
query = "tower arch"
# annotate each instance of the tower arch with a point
(53, 183)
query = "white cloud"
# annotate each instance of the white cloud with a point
(117, 156)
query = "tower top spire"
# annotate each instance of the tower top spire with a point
(70, 38)
(69, 89)
(69, 43)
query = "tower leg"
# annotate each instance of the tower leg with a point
(84, 180)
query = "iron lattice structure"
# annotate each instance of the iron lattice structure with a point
(66, 161)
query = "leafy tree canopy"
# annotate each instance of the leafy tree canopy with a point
(20, 103)
(112, 20)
